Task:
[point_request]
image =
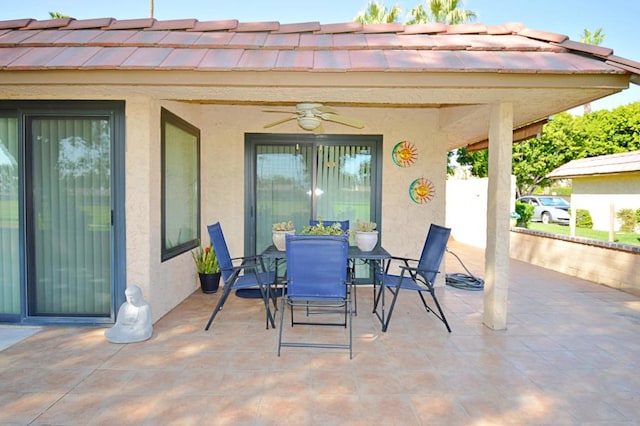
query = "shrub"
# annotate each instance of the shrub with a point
(628, 220)
(638, 215)
(525, 211)
(583, 219)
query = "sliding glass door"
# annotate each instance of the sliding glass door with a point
(69, 216)
(302, 177)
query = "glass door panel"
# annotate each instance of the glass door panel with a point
(69, 229)
(283, 180)
(9, 222)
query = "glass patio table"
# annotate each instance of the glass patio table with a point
(377, 258)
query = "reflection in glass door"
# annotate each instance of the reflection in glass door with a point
(69, 216)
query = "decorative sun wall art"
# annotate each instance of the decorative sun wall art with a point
(421, 191)
(404, 154)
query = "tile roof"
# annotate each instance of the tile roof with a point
(626, 162)
(187, 44)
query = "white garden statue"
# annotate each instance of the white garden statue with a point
(133, 323)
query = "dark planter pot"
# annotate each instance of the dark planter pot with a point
(209, 283)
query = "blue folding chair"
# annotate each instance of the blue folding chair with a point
(240, 273)
(419, 278)
(317, 279)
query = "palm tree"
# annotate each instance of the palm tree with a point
(443, 11)
(594, 38)
(58, 15)
(377, 13)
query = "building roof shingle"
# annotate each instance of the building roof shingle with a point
(107, 43)
(625, 162)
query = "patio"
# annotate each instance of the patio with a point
(571, 355)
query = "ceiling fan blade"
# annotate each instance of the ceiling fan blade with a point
(324, 108)
(318, 130)
(275, 123)
(343, 120)
(283, 111)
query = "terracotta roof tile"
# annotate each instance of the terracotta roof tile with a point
(146, 38)
(16, 37)
(294, 60)
(258, 59)
(282, 41)
(231, 45)
(7, 56)
(89, 23)
(229, 24)
(175, 24)
(350, 41)
(383, 28)
(48, 24)
(114, 37)
(304, 27)
(318, 41)
(146, 57)
(257, 27)
(367, 60)
(248, 40)
(331, 60)
(179, 39)
(15, 23)
(544, 36)
(132, 24)
(78, 37)
(433, 28)
(382, 41)
(35, 58)
(183, 59)
(73, 57)
(213, 39)
(221, 59)
(109, 57)
(348, 27)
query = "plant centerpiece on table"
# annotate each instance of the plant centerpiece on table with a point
(208, 268)
(366, 235)
(280, 230)
(321, 229)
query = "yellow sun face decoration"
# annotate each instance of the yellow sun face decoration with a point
(404, 154)
(421, 191)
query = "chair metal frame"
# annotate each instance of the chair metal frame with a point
(317, 278)
(419, 278)
(240, 273)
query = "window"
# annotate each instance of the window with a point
(180, 185)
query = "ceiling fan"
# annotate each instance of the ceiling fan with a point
(311, 115)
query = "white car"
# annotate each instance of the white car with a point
(548, 208)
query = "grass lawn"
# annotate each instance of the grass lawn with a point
(619, 237)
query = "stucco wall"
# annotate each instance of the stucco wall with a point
(598, 193)
(165, 284)
(612, 267)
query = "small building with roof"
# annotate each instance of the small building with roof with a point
(603, 185)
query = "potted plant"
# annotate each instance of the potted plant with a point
(321, 229)
(208, 268)
(280, 230)
(366, 235)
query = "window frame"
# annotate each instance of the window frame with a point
(169, 118)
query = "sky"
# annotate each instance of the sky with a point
(619, 19)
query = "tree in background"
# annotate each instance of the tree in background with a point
(377, 13)
(565, 138)
(443, 11)
(595, 39)
(58, 15)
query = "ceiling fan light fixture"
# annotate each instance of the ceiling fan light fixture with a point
(308, 123)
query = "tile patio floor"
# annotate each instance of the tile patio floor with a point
(570, 355)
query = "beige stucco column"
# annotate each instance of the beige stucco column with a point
(498, 211)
